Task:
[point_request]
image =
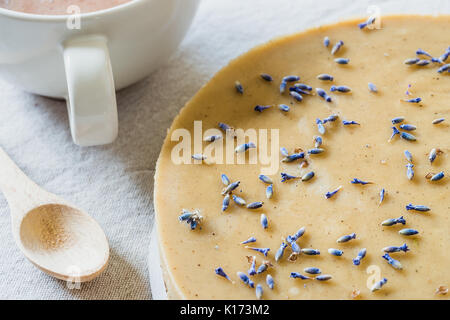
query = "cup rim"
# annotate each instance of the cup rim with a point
(63, 17)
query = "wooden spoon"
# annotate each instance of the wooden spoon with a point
(56, 237)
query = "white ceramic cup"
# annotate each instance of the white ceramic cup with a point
(86, 58)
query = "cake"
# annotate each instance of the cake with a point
(355, 205)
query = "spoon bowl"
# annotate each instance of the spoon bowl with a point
(64, 242)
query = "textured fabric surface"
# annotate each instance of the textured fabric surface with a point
(115, 183)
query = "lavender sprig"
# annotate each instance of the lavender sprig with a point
(372, 87)
(264, 251)
(284, 151)
(266, 77)
(219, 271)
(192, 218)
(199, 157)
(255, 205)
(337, 47)
(410, 171)
(346, 238)
(359, 257)
(226, 128)
(325, 77)
(437, 176)
(408, 127)
(294, 246)
(433, 154)
(421, 52)
(284, 108)
(382, 195)
(417, 207)
(358, 181)
(343, 89)
(285, 81)
(407, 136)
(347, 123)
(265, 179)
(259, 291)
(225, 180)
(393, 221)
(299, 233)
(394, 263)
(377, 286)
(263, 267)
(330, 194)
(367, 23)
(231, 187)
(297, 96)
(342, 61)
(437, 121)
(335, 252)
(269, 191)
(245, 279)
(312, 270)
(323, 94)
(411, 61)
(244, 147)
(269, 281)
(415, 100)
(239, 87)
(397, 120)
(308, 176)
(260, 108)
(249, 240)
(316, 151)
(286, 177)
(394, 133)
(226, 202)
(331, 118)
(392, 249)
(280, 252)
(408, 232)
(238, 200)
(445, 67)
(310, 252)
(212, 138)
(264, 221)
(422, 63)
(298, 90)
(320, 126)
(297, 275)
(302, 86)
(252, 270)
(318, 141)
(293, 157)
(324, 277)
(408, 156)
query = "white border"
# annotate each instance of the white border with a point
(154, 268)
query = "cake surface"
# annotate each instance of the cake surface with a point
(362, 151)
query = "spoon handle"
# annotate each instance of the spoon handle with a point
(21, 193)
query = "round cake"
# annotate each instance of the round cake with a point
(314, 167)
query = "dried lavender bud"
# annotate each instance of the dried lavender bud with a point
(266, 77)
(219, 271)
(337, 47)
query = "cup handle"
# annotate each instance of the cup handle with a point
(91, 100)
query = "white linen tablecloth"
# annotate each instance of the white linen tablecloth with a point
(115, 183)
